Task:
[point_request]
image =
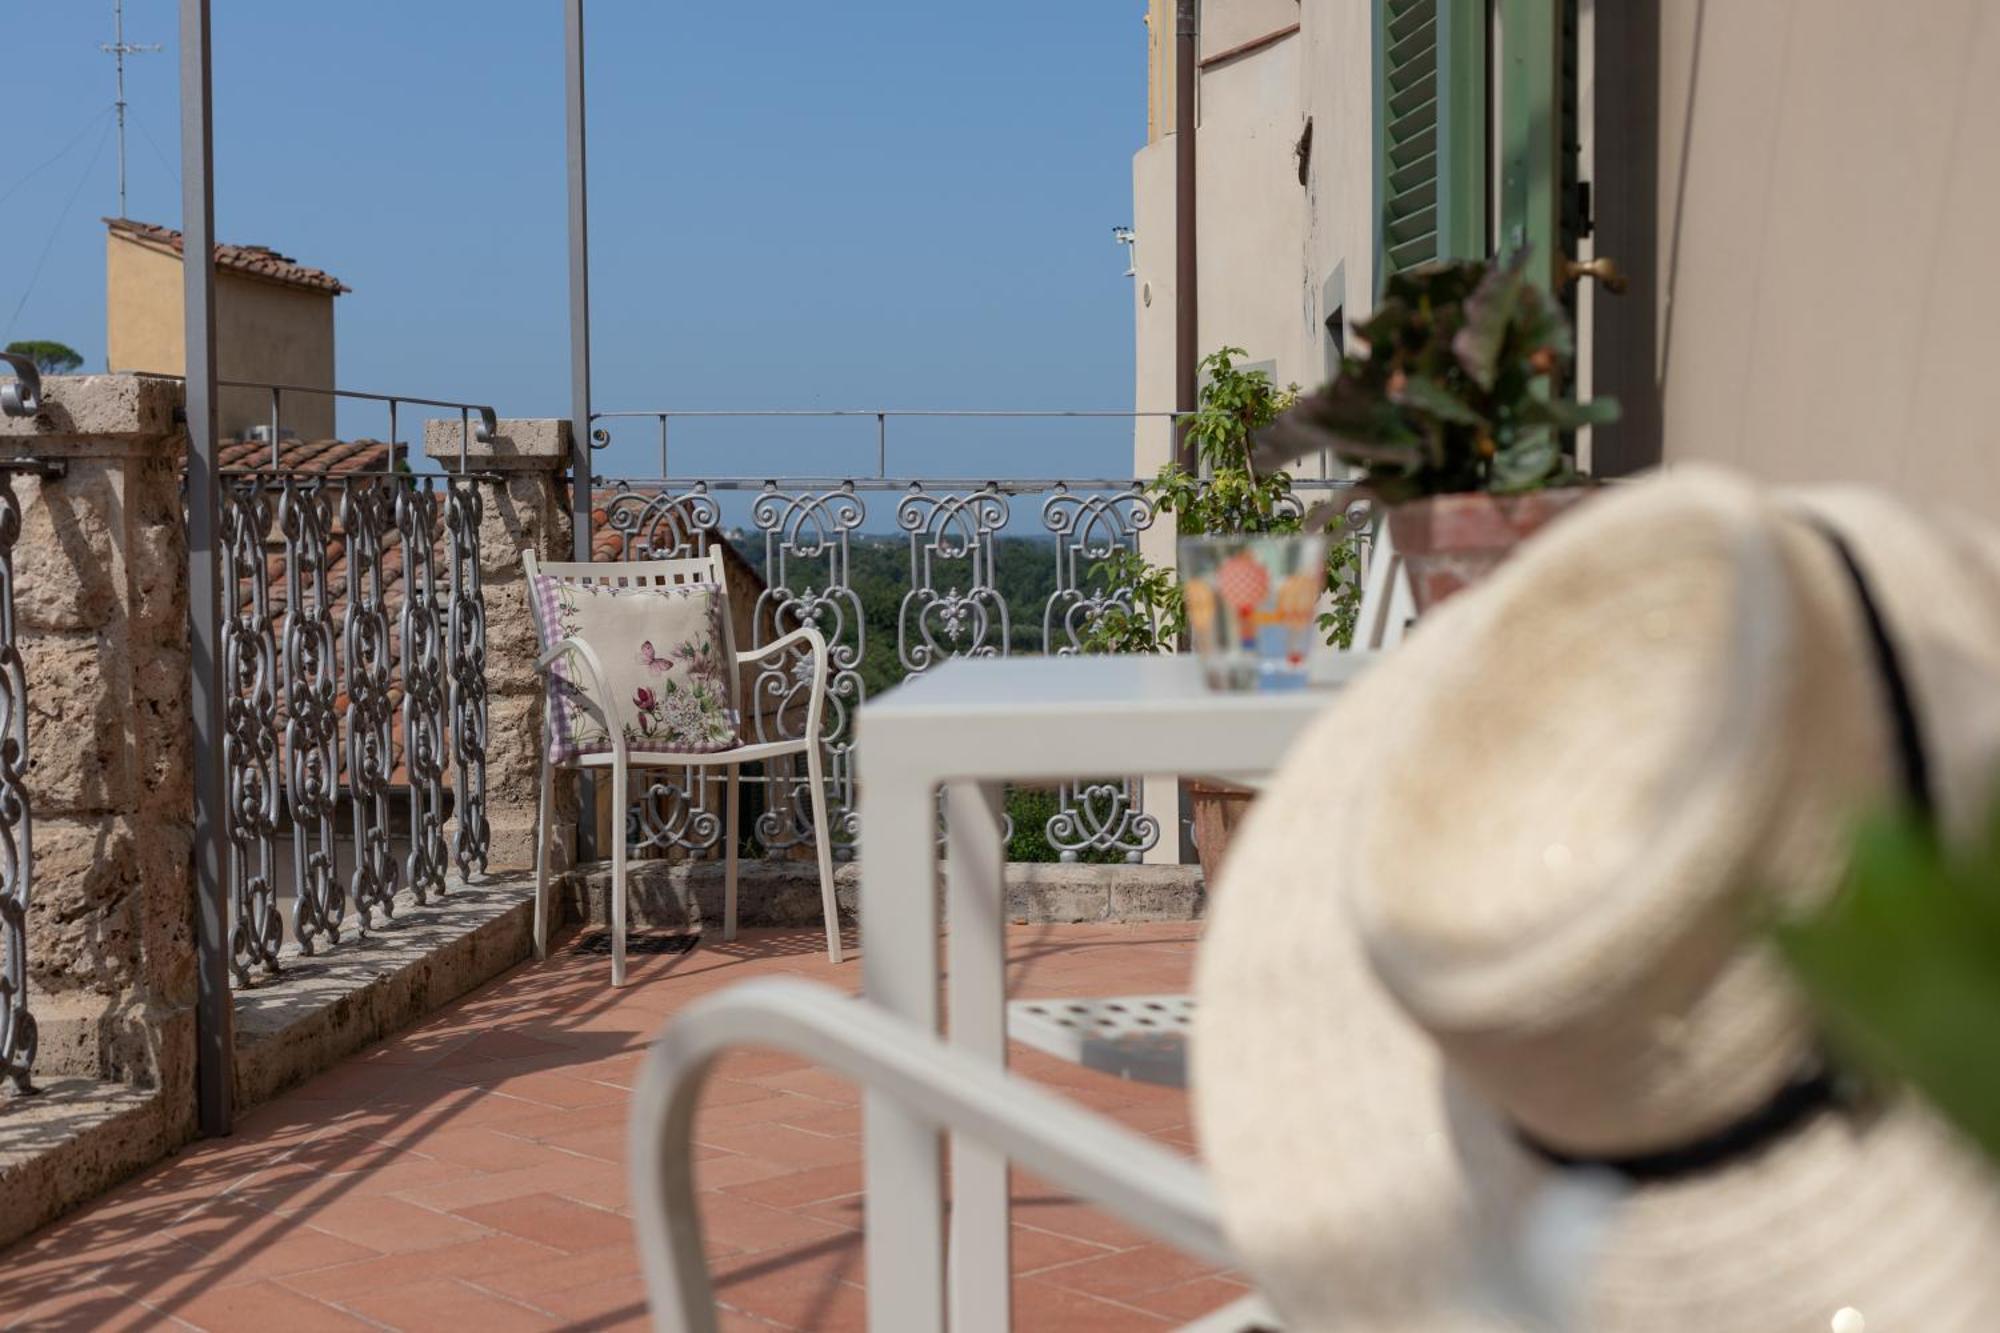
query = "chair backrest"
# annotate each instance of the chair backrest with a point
(705, 568)
(1387, 607)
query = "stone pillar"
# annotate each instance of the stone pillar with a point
(102, 623)
(526, 506)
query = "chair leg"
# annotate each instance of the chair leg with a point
(734, 805)
(619, 779)
(545, 815)
(823, 845)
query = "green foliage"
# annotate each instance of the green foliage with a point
(1455, 390)
(1904, 968)
(1031, 809)
(51, 358)
(1228, 497)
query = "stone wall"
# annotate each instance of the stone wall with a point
(101, 610)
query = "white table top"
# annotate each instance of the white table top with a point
(1028, 688)
(1036, 717)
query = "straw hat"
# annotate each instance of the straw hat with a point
(1492, 916)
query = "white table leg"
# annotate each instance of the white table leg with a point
(978, 1291)
(899, 928)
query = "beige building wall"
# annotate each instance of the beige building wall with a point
(265, 331)
(1276, 257)
(1829, 175)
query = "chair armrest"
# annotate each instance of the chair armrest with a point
(614, 722)
(1101, 1161)
(816, 645)
(804, 633)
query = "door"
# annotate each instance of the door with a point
(1577, 148)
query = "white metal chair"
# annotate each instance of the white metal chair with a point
(707, 568)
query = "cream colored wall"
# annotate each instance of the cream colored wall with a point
(1829, 176)
(1254, 288)
(274, 334)
(1230, 23)
(264, 331)
(1267, 245)
(143, 328)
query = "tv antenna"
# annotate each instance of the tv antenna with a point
(119, 49)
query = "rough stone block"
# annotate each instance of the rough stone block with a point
(520, 444)
(84, 916)
(162, 730)
(69, 561)
(156, 552)
(86, 412)
(80, 739)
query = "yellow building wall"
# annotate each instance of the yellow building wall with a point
(264, 331)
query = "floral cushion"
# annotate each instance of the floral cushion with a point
(662, 651)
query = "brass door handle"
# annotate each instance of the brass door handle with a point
(1604, 268)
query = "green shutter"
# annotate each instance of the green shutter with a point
(1430, 146)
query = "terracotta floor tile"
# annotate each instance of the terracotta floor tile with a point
(751, 1228)
(469, 1172)
(1037, 1250)
(84, 1306)
(782, 1143)
(1038, 1305)
(444, 1303)
(788, 1188)
(259, 1307)
(1188, 1301)
(472, 1258)
(533, 1282)
(549, 1220)
(1130, 1274)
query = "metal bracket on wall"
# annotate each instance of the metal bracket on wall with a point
(22, 398)
(48, 469)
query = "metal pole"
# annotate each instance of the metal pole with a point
(1187, 334)
(579, 352)
(215, 1041)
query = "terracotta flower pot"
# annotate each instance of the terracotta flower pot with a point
(1450, 541)
(1217, 808)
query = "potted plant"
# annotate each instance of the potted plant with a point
(1453, 414)
(1230, 495)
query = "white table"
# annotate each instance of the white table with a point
(970, 726)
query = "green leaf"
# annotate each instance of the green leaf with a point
(1527, 464)
(1564, 414)
(1488, 313)
(1423, 394)
(1904, 969)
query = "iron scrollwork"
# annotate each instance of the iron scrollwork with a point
(366, 515)
(419, 635)
(465, 633)
(250, 729)
(312, 721)
(17, 1024)
(808, 583)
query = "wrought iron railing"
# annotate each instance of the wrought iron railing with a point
(17, 865)
(353, 658)
(820, 545)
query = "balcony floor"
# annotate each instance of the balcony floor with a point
(469, 1173)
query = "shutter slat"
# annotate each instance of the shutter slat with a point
(1418, 198)
(1406, 177)
(1406, 18)
(1409, 111)
(1419, 251)
(1423, 222)
(1421, 44)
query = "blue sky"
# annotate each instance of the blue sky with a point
(794, 204)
